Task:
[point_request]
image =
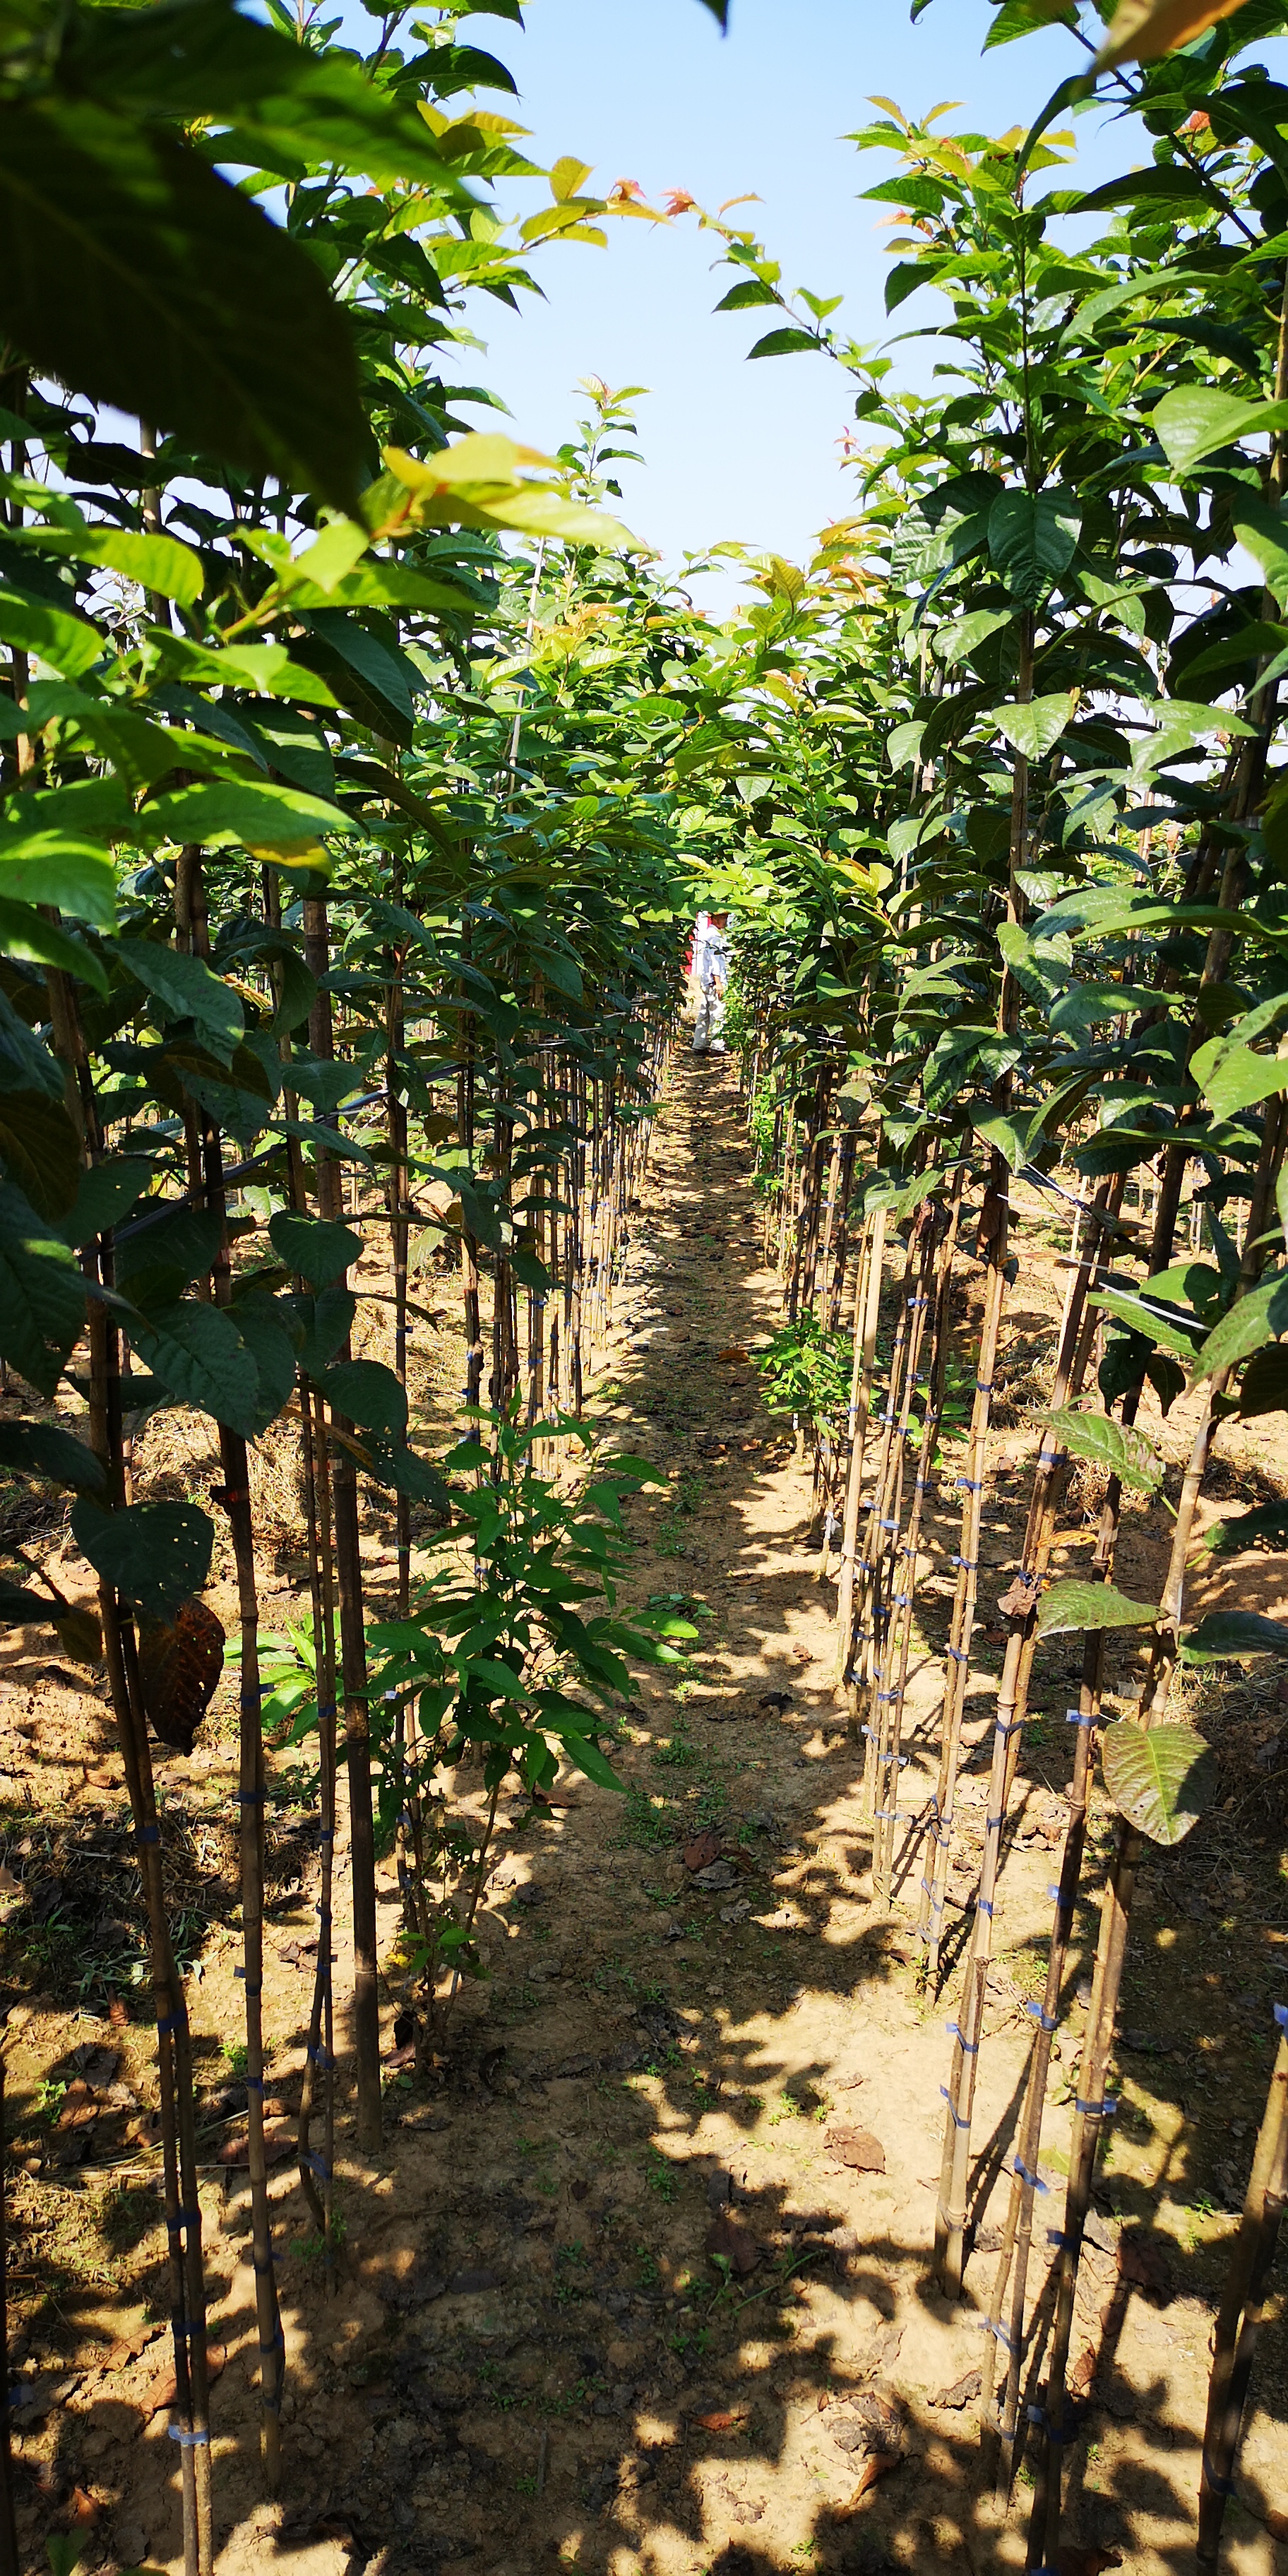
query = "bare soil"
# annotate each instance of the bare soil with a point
(642, 2281)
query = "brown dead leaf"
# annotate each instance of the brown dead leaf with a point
(878, 2464)
(1019, 1596)
(279, 2140)
(961, 2392)
(1275, 2522)
(734, 2243)
(180, 1661)
(727, 2420)
(857, 2148)
(702, 1851)
(163, 2391)
(128, 2347)
(733, 1353)
(1082, 2377)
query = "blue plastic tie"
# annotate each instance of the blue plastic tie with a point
(970, 1485)
(253, 1992)
(148, 1834)
(887, 1525)
(276, 2342)
(321, 2056)
(981, 1389)
(1035, 2179)
(1036, 2013)
(884, 1815)
(1218, 2486)
(971, 2046)
(1054, 1890)
(1074, 1717)
(1281, 2016)
(959, 1654)
(960, 2119)
(1097, 2110)
(253, 2083)
(188, 2441)
(985, 1907)
(968, 1564)
(318, 2164)
(167, 2022)
(250, 1797)
(326, 1834)
(994, 1824)
(183, 2218)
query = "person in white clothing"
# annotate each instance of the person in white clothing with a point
(711, 975)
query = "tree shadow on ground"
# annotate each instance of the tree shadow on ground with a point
(612, 2292)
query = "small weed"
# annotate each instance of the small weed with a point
(235, 2057)
(647, 1821)
(675, 1751)
(661, 2175)
(649, 2274)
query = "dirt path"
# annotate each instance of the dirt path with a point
(614, 2298)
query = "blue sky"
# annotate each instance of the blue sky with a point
(649, 90)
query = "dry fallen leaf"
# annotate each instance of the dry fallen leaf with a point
(733, 2243)
(702, 1851)
(857, 2148)
(280, 2140)
(878, 2464)
(162, 2391)
(734, 1352)
(726, 2421)
(961, 2392)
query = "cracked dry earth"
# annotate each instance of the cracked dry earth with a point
(644, 2285)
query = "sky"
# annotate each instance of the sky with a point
(649, 90)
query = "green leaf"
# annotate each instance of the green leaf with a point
(1264, 1385)
(589, 1759)
(1236, 1077)
(369, 1394)
(268, 669)
(43, 1449)
(198, 1354)
(1034, 726)
(25, 933)
(496, 1678)
(1270, 1521)
(326, 1322)
(1164, 1326)
(41, 1150)
(42, 1295)
(1197, 420)
(161, 564)
(1247, 1325)
(1124, 1454)
(1226, 1635)
(19, 1609)
(205, 61)
(187, 990)
(1161, 1778)
(1032, 539)
(105, 1192)
(1265, 535)
(784, 343)
(66, 643)
(315, 1251)
(262, 1327)
(156, 1554)
(253, 813)
(1076, 1605)
(966, 634)
(132, 273)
